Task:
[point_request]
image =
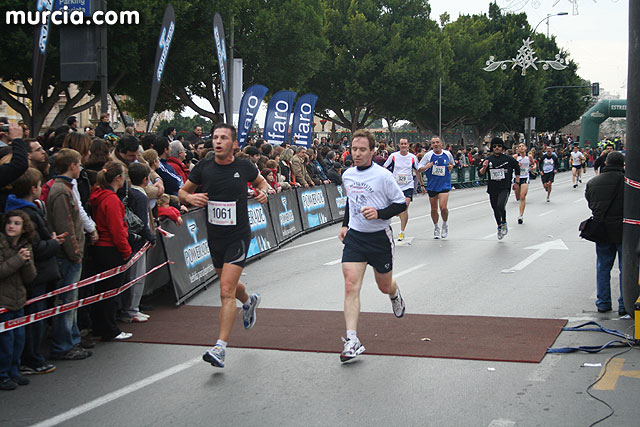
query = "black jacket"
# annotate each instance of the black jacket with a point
(11, 171)
(600, 193)
(139, 204)
(102, 129)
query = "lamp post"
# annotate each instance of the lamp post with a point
(547, 19)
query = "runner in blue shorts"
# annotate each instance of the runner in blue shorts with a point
(373, 198)
(438, 164)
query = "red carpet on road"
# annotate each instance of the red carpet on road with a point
(506, 339)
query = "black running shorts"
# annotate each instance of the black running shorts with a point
(408, 193)
(229, 251)
(547, 177)
(376, 249)
(435, 193)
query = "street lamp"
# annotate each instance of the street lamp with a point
(547, 19)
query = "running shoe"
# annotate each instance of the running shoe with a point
(249, 317)
(579, 180)
(575, 185)
(445, 231)
(215, 356)
(500, 235)
(397, 304)
(436, 232)
(520, 220)
(352, 348)
(400, 236)
(505, 229)
(45, 368)
(548, 199)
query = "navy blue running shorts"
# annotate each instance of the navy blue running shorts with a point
(376, 249)
(408, 193)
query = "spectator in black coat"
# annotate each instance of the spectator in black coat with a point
(14, 168)
(335, 173)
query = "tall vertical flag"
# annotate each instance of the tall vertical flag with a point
(276, 124)
(249, 107)
(223, 63)
(40, 39)
(162, 52)
(302, 128)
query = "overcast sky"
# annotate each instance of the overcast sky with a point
(597, 38)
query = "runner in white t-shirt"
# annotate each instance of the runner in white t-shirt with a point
(402, 163)
(577, 158)
(373, 198)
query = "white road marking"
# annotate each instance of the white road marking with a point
(334, 262)
(502, 423)
(540, 249)
(410, 270)
(580, 200)
(79, 410)
(545, 369)
(488, 236)
(307, 244)
(547, 212)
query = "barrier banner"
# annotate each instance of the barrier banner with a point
(162, 52)
(263, 237)
(337, 197)
(188, 249)
(313, 207)
(287, 222)
(249, 107)
(302, 128)
(223, 63)
(276, 123)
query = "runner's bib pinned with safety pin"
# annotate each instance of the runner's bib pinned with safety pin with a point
(496, 174)
(402, 178)
(221, 213)
(438, 170)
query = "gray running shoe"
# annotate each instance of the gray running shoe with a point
(505, 229)
(398, 306)
(500, 233)
(445, 231)
(436, 232)
(249, 318)
(352, 348)
(215, 356)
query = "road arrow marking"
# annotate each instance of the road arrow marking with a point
(540, 249)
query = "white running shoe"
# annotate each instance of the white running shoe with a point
(445, 231)
(215, 356)
(352, 348)
(500, 234)
(436, 232)
(249, 317)
(398, 306)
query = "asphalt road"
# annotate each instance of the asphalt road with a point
(542, 269)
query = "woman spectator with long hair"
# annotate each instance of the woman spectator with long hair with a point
(112, 248)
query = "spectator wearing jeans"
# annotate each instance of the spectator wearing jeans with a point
(63, 216)
(605, 195)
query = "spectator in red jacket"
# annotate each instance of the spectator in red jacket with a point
(167, 211)
(112, 248)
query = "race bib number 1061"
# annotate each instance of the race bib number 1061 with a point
(221, 213)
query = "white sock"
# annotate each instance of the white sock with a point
(402, 231)
(394, 296)
(247, 303)
(444, 223)
(222, 344)
(351, 335)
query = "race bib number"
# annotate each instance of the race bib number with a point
(221, 213)
(439, 170)
(402, 178)
(496, 174)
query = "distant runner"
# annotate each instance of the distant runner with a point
(438, 164)
(548, 168)
(521, 182)
(577, 159)
(402, 164)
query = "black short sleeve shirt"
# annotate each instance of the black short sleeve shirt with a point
(226, 183)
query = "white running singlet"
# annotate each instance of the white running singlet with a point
(576, 158)
(524, 166)
(403, 167)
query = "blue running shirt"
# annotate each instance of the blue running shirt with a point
(438, 175)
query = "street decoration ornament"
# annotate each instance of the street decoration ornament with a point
(525, 58)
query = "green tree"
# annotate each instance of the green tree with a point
(184, 124)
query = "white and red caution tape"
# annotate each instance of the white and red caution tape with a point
(90, 280)
(35, 317)
(631, 221)
(164, 232)
(632, 183)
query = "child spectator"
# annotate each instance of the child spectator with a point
(16, 271)
(268, 174)
(45, 246)
(112, 248)
(63, 216)
(139, 204)
(166, 211)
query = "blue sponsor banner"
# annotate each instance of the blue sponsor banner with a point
(302, 128)
(82, 5)
(223, 64)
(188, 250)
(337, 197)
(162, 52)
(249, 107)
(263, 237)
(276, 124)
(285, 213)
(314, 207)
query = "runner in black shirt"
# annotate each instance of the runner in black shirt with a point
(501, 168)
(223, 180)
